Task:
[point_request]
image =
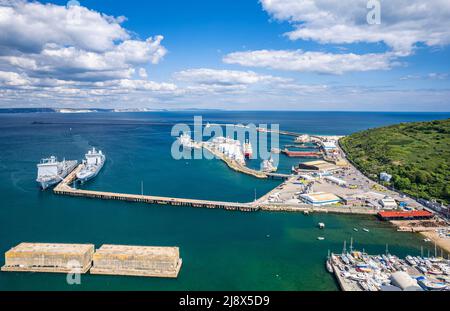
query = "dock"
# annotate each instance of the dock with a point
(301, 154)
(161, 262)
(49, 258)
(64, 188)
(123, 260)
(233, 164)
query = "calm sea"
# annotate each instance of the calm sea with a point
(221, 250)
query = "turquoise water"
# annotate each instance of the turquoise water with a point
(221, 250)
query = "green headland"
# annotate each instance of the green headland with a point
(417, 155)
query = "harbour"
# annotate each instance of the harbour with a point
(77, 220)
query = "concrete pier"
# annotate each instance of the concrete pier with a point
(49, 258)
(164, 262)
(64, 189)
(233, 164)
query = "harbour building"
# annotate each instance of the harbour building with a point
(146, 261)
(320, 198)
(388, 203)
(329, 146)
(56, 258)
(321, 166)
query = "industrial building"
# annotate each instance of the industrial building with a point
(320, 198)
(411, 215)
(137, 261)
(55, 258)
(328, 146)
(320, 165)
(388, 203)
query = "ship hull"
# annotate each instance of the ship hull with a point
(48, 183)
(89, 177)
(44, 185)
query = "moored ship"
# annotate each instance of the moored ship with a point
(92, 165)
(51, 171)
(248, 150)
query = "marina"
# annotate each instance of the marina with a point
(358, 271)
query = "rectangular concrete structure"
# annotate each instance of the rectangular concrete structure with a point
(164, 262)
(50, 258)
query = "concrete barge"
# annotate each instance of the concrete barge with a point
(163, 262)
(49, 258)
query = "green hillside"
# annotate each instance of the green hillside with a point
(416, 154)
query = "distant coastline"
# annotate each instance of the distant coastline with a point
(94, 110)
(124, 110)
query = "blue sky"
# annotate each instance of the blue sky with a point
(247, 54)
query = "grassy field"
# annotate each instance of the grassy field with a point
(416, 154)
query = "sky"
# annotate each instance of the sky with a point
(350, 55)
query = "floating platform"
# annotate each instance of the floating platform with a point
(162, 262)
(49, 258)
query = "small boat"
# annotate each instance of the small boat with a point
(355, 229)
(306, 213)
(366, 230)
(427, 240)
(435, 271)
(329, 266)
(321, 225)
(432, 286)
(321, 238)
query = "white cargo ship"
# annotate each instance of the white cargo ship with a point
(92, 165)
(268, 166)
(51, 172)
(248, 150)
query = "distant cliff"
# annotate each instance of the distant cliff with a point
(417, 155)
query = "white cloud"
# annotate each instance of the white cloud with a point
(224, 77)
(404, 23)
(297, 60)
(143, 73)
(70, 43)
(12, 79)
(429, 76)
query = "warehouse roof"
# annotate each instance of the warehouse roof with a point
(321, 197)
(138, 250)
(321, 165)
(49, 248)
(411, 214)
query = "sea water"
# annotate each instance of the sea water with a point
(221, 250)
